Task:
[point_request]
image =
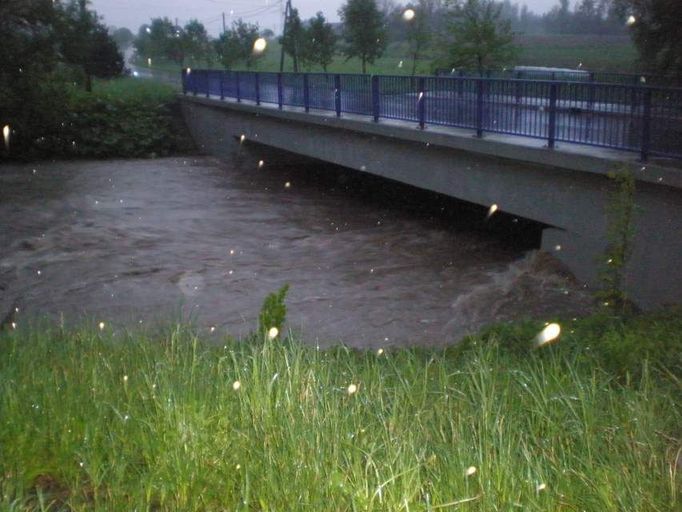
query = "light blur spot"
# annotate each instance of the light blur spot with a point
(380, 352)
(408, 14)
(557, 247)
(470, 470)
(242, 138)
(352, 389)
(642, 79)
(149, 61)
(400, 64)
(259, 45)
(541, 487)
(212, 329)
(631, 20)
(236, 385)
(5, 135)
(101, 326)
(287, 185)
(14, 325)
(272, 333)
(493, 208)
(421, 95)
(549, 334)
(135, 74)
(189, 70)
(260, 164)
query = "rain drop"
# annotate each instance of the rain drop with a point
(259, 45)
(548, 335)
(493, 208)
(5, 135)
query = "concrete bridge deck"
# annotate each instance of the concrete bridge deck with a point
(565, 188)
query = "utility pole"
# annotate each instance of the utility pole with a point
(224, 29)
(287, 13)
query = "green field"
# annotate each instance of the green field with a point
(596, 53)
(102, 419)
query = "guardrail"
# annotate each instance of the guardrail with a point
(577, 75)
(637, 118)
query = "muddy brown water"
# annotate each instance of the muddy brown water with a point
(141, 241)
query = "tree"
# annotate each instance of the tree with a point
(123, 38)
(293, 39)
(363, 31)
(656, 33)
(236, 44)
(86, 43)
(418, 31)
(320, 41)
(160, 40)
(477, 37)
(195, 42)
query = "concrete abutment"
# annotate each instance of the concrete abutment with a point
(567, 190)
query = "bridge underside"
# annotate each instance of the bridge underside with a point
(568, 191)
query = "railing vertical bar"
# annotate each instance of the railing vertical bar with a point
(257, 87)
(237, 84)
(222, 87)
(337, 95)
(279, 91)
(306, 93)
(479, 107)
(646, 126)
(375, 98)
(422, 101)
(551, 129)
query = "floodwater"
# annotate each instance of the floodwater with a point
(369, 263)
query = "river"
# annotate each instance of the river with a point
(369, 263)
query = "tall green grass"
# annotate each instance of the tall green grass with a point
(98, 420)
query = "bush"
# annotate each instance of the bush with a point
(122, 118)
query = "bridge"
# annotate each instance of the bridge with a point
(540, 150)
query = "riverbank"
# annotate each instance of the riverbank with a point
(97, 418)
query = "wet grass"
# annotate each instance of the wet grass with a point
(97, 420)
(596, 53)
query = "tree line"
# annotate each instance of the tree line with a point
(475, 34)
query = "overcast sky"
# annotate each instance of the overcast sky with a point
(267, 13)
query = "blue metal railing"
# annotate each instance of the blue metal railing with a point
(627, 117)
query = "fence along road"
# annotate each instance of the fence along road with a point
(637, 118)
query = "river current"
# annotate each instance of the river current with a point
(369, 262)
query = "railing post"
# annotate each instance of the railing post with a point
(239, 92)
(257, 83)
(306, 93)
(646, 125)
(337, 94)
(375, 98)
(479, 107)
(551, 129)
(421, 101)
(183, 78)
(222, 86)
(208, 83)
(279, 91)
